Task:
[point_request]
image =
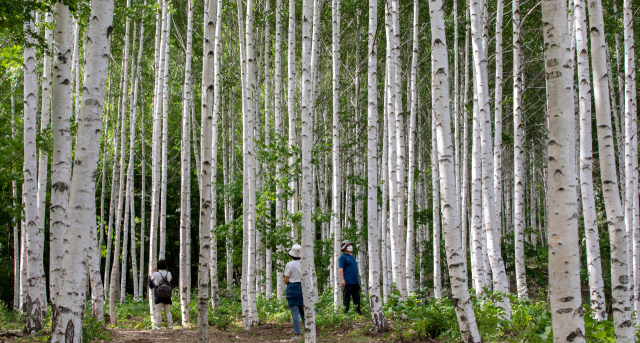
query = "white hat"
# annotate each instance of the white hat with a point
(344, 244)
(296, 251)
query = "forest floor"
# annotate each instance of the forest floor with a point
(266, 333)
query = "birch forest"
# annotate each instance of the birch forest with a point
(480, 155)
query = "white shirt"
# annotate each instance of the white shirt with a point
(157, 276)
(292, 270)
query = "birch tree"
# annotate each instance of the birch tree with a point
(594, 268)
(335, 146)
(81, 213)
(449, 207)
(489, 211)
(564, 277)
(613, 206)
(518, 156)
(32, 302)
(185, 181)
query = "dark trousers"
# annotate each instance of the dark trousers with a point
(348, 292)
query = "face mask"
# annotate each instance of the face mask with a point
(350, 248)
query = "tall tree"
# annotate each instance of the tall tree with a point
(32, 302)
(449, 206)
(335, 147)
(594, 268)
(613, 206)
(81, 213)
(564, 276)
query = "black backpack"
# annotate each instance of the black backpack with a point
(163, 288)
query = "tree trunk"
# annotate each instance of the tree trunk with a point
(278, 128)
(564, 270)
(213, 264)
(449, 208)
(615, 217)
(185, 180)
(61, 111)
(81, 213)
(497, 139)
(377, 316)
(166, 94)
(596, 284)
(410, 252)
(518, 156)
(32, 302)
(489, 209)
(335, 149)
(17, 246)
(308, 232)
(435, 182)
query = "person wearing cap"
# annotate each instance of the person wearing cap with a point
(349, 277)
(292, 278)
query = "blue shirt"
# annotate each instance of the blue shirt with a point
(349, 267)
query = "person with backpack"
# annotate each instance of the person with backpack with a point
(349, 277)
(293, 279)
(160, 281)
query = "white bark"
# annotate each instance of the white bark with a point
(308, 231)
(489, 211)
(594, 268)
(631, 155)
(205, 169)
(185, 180)
(435, 181)
(61, 111)
(615, 218)
(165, 138)
(564, 275)
(278, 127)
(213, 264)
(32, 302)
(81, 213)
(449, 208)
(156, 151)
(377, 316)
(518, 156)
(477, 255)
(291, 87)
(410, 252)
(335, 150)
(268, 284)
(497, 139)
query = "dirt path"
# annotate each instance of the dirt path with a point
(267, 333)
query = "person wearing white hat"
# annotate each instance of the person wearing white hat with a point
(349, 277)
(292, 278)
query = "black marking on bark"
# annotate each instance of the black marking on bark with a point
(65, 82)
(564, 310)
(69, 332)
(624, 279)
(625, 324)
(553, 75)
(60, 186)
(575, 334)
(566, 299)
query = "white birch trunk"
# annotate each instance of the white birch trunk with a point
(564, 274)
(450, 214)
(410, 252)
(165, 138)
(32, 302)
(435, 181)
(615, 217)
(500, 283)
(594, 268)
(81, 213)
(497, 139)
(518, 156)
(335, 150)
(291, 87)
(308, 232)
(213, 264)
(185, 180)
(377, 316)
(61, 111)
(278, 128)
(631, 156)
